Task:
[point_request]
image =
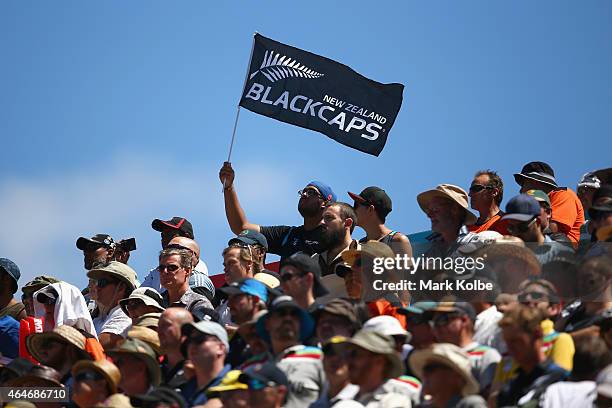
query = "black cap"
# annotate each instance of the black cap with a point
(12, 270)
(201, 313)
(250, 237)
(98, 240)
(157, 395)
(268, 373)
(375, 196)
(47, 295)
(602, 200)
(306, 264)
(538, 171)
(179, 224)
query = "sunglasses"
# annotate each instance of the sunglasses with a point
(169, 267)
(199, 338)
(88, 375)
(309, 192)
(258, 385)
(527, 296)
(133, 304)
(286, 277)
(104, 282)
(444, 318)
(521, 227)
(287, 312)
(477, 188)
(597, 215)
(414, 319)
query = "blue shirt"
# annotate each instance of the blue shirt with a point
(9, 337)
(195, 396)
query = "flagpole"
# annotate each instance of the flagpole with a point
(246, 76)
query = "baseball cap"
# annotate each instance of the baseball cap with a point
(589, 180)
(229, 382)
(522, 207)
(463, 308)
(375, 196)
(175, 223)
(250, 237)
(118, 270)
(207, 327)
(305, 264)
(325, 190)
(203, 313)
(247, 286)
(540, 196)
(267, 373)
(11, 269)
(98, 240)
(417, 308)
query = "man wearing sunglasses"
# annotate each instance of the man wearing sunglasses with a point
(523, 221)
(486, 194)
(206, 346)
(113, 282)
(453, 322)
(268, 386)
(282, 240)
(286, 327)
(300, 277)
(601, 213)
(175, 267)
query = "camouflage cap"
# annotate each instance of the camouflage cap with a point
(37, 283)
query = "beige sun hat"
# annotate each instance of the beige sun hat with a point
(147, 335)
(448, 191)
(110, 371)
(149, 296)
(118, 270)
(449, 355)
(376, 343)
(142, 350)
(62, 333)
(148, 320)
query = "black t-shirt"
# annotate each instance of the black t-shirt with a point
(286, 241)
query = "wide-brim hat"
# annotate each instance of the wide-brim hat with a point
(110, 371)
(117, 270)
(378, 343)
(449, 355)
(43, 376)
(142, 350)
(371, 249)
(147, 335)
(537, 171)
(62, 333)
(149, 296)
(307, 323)
(451, 192)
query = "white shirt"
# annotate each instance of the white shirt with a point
(115, 322)
(152, 279)
(579, 394)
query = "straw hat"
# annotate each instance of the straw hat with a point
(449, 355)
(147, 335)
(110, 371)
(38, 376)
(64, 333)
(451, 192)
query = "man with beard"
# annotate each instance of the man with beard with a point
(97, 250)
(300, 278)
(282, 240)
(339, 221)
(285, 327)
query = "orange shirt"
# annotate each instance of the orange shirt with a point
(384, 307)
(567, 212)
(494, 223)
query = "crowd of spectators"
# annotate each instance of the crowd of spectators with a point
(498, 308)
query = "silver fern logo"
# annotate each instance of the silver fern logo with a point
(276, 67)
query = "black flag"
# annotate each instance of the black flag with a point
(314, 92)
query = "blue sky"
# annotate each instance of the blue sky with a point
(115, 113)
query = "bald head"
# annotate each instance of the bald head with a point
(169, 330)
(188, 243)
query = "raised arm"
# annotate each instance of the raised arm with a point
(236, 217)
